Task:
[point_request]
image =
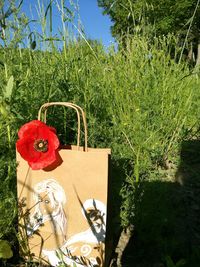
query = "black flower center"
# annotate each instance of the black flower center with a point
(41, 145)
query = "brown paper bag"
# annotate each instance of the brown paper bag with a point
(67, 204)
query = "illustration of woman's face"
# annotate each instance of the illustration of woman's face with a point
(45, 204)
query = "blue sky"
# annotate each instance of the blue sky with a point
(96, 25)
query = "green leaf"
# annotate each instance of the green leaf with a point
(69, 11)
(169, 262)
(9, 87)
(181, 263)
(33, 45)
(48, 7)
(5, 250)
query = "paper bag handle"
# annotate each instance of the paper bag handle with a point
(44, 110)
(78, 109)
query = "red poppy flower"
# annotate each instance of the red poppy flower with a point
(37, 144)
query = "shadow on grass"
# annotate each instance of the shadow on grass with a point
(167, 217)
(120, 168)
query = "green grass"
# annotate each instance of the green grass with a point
(138, 101)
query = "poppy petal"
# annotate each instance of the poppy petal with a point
(26, 149)
(29, 134)
(43, 161)
(29, 127)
